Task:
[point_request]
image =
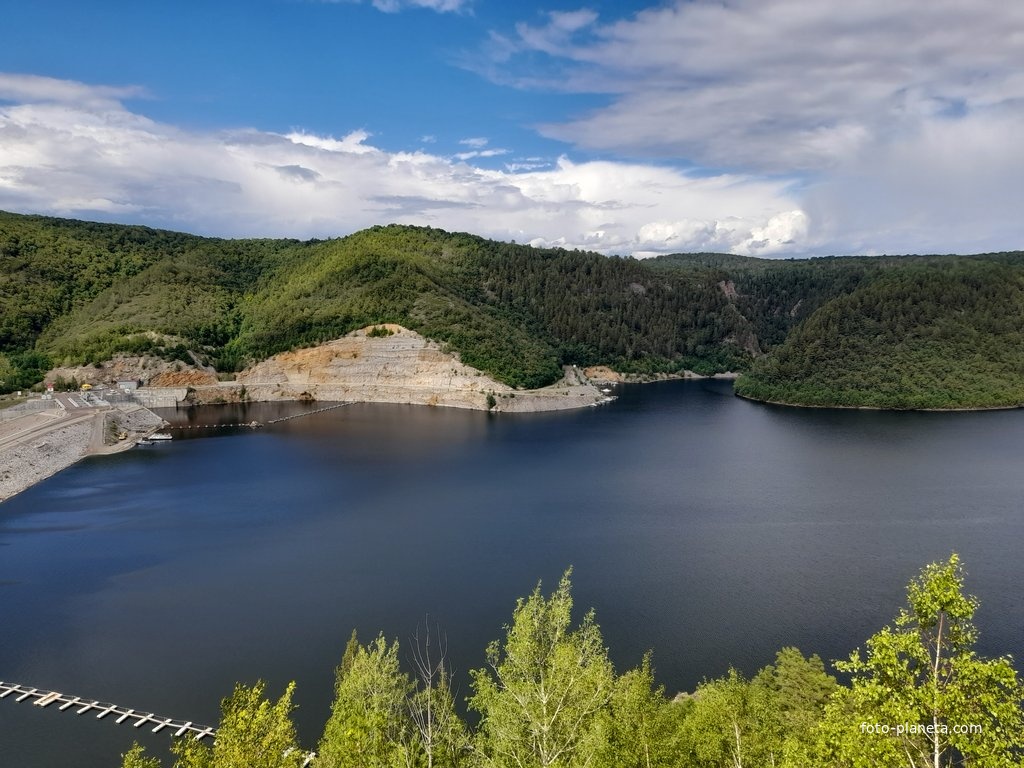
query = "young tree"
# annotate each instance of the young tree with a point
(715, 729)
(921, 696)
(369, 726)
(770, 720)
(543, 696)
(253, 733)
(641, 729)
(788, 700)
(442, 734)
(136, 758)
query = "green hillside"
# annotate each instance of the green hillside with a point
(82, 292)
(890, 332)
(934, 335)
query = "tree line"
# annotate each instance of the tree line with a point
(916, 695)
(889, 332)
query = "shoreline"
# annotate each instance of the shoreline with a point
(973, 409)
(48, 443)
(35, 447)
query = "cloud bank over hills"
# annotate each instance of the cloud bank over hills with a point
(72, 149)
(761, 127)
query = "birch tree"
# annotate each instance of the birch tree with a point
(443, 736)
(136, 758)
(920, 695)
(254, 732)
(369, 726)
(642, 727)
(544, 693)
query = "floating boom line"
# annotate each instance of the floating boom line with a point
(43, 698)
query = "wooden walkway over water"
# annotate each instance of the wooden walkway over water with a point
(80, 706)
(135, 718)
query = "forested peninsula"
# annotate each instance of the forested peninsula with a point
(903, 332)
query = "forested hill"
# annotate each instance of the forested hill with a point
(899, 332)
(895, 332)
(76, 292)
(934, 335)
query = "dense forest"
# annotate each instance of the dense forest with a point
(917, 694)
(891, 332)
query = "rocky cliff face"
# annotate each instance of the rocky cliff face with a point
(151, 370)
(402, 367)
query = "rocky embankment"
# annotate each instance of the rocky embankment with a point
(148, 370)
(402, 367)
(395, 365)
(602, 374)
(37, 445)
(25, 462)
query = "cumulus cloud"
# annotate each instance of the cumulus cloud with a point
(92, 156)
(353, 143)
(885, 113)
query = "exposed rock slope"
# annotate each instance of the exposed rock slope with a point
(403, 367)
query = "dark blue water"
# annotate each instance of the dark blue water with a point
(709, 529)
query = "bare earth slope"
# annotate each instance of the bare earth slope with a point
(401, 368)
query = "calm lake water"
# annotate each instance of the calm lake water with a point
(709, 529)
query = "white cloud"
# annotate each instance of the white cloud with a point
(394, 6)
(494, 152)
(19, 87)
(953, 186)
(896, 117)
(477, 142)
(351, 143)
(441, 6)
(560, 28)
(98, 159)
(778, 84)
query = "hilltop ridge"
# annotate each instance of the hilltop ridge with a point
(890, 332)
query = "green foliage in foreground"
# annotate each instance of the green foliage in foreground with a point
(136, 758)
(254, 733)
(924, 672)
(549, 697)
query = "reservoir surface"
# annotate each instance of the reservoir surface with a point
(707, 529)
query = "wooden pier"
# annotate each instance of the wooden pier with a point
(309, 413)
(132, 717)
(136, 719)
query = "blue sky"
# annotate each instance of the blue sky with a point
(766, 127)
